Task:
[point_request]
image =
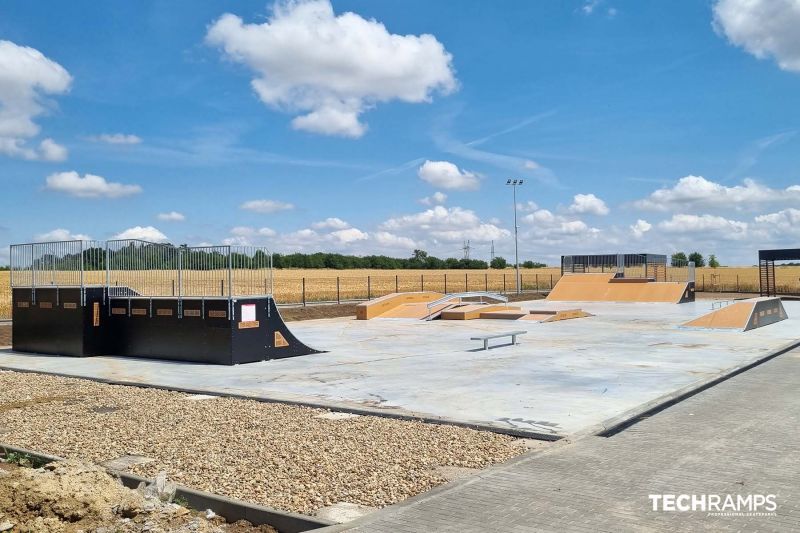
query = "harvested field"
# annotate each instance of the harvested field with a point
(316, 285)
(276, 455)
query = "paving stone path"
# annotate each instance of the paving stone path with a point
(740, 437)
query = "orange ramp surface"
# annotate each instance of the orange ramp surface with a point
(473, 311)
(605, 288)
(743, 316)
(379, 307)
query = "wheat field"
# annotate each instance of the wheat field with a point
(315, 285)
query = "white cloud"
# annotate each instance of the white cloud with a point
(25, 76)
(785, 221)
(527, 207)
(389, 240)
(436, 198)
(548, 224)
(266, 206)
(711, 226)
(50, 150)
(588, 204)
(117, 138)
(640, 228)
(61, 234)
(765, 28)
(446, 175)
(332, 68)
(248, 236)
(88, 186)
(144, 233)
(331, 223)
(450, 225)
(531, 165)
(346, 236)
(172, 216)
(698, 192)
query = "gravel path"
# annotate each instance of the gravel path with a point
(275, 455)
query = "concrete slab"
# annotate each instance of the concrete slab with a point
(561, 378)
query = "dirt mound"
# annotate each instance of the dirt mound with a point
(71, 496)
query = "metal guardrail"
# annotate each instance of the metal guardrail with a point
(460, 295)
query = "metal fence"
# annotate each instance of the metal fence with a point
(652, 266)
(132, 267)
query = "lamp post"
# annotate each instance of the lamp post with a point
(514, 184)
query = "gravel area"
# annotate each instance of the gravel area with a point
(271, 454)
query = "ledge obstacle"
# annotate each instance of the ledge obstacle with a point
(606, 287)
(742, 316)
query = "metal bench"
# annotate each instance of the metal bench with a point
(485, 338)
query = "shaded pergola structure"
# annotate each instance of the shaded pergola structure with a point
(766, 267)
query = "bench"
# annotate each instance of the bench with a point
(485, 338)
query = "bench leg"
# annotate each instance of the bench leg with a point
(485, 344)
(513, 340)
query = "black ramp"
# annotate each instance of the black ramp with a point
(281, 342)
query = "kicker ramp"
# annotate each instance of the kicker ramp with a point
(742, 316)
(606, 288)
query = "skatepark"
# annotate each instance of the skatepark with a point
(599, 349)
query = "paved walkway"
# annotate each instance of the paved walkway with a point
(739, 437)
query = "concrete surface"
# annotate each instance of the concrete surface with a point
(738, 438)
(561, 378)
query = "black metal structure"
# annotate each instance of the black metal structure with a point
(766, 267)
(59, 307)
(649, 266)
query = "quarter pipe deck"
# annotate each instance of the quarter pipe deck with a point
(605, 288)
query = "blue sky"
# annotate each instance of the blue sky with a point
(377, 127)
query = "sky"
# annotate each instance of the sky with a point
(369, 127)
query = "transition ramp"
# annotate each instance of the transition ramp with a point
(379, 307)
(743, 316)
(606, 288)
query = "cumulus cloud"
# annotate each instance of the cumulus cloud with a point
(88, 186)
(266, 206)
(546, 223)
(785, 221)
(640, 227)
(332, 68)
(249, 236)
(389, 240)
(61, 234)
(527, 207)
(331, 223)
(588, 204)
(765, 28)
(436, 198)
(117, 138)
(446, 175)
(346, 236)
(452, 224)
(144, 233)
(698, 192)
(26, 75)
(710, 225)
(172, 216)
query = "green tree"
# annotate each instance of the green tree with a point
(499, 262)
(679, 259)
(698, 259)
(712, 261)
(533, 264)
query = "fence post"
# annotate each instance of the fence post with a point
(173, 287)
(369, 287)
(445, 282)
(466, 281)
(537, 282)
(737, 282)
(396, 283)
(504, 282)
(422, 282)
(486, 281)
(551, 282)
(338, 296)
(304, 291)
(704, 283)
(222, 287)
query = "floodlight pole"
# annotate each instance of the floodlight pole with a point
(514, 184)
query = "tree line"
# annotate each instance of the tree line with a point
(166, 257)
(680, 259)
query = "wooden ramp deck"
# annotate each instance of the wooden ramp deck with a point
(604, 288)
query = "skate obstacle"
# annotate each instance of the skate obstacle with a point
(607, 287)
(139, 299)
(742, 315)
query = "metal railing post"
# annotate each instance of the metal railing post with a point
(83, 290)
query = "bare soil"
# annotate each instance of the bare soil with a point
(72, 496)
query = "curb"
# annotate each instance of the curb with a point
(230, 509)
(512, 432)
(619, 423)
